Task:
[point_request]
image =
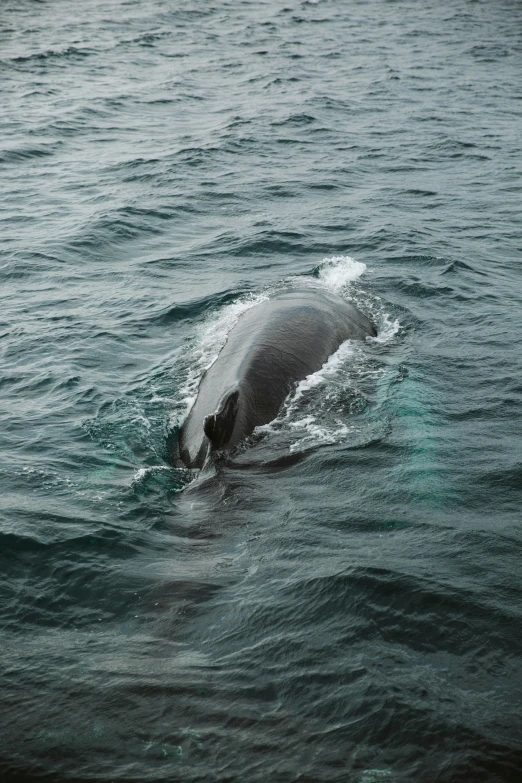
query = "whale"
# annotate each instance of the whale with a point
(273, 345)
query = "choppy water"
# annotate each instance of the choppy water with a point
(342, 601)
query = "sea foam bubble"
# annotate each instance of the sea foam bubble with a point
(337, 272)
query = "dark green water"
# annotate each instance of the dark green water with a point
(342, 601)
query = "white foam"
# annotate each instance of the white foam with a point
(338, 272)
(142, 473)
(327, 372)
(159, 399)
(387, 330)
(141, 419)
(315, 434)
(301, 413)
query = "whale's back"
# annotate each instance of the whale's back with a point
(272, 346)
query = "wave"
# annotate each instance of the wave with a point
(338, 272)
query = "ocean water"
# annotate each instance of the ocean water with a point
(341, 601)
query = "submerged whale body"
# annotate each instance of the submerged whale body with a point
(272, 346)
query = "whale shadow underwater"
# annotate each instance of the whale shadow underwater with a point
(274, 345)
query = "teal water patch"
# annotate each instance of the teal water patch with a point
(131, 431)
(127, 429)
(96, 734)
(377, 776)
(392, 524)
(420, 472)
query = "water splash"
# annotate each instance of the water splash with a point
(338, 272)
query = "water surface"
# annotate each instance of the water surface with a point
(341, 601)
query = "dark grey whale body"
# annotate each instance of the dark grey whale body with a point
(272, 346)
